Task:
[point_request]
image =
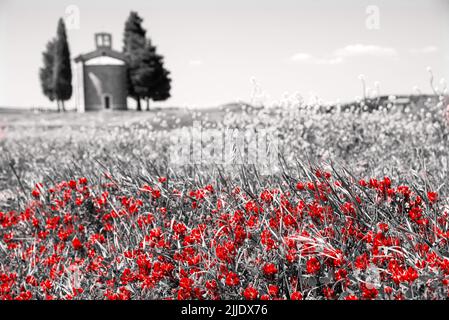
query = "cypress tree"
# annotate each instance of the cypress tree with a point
(133, 47)
(62, 73)
(46, 72)
(161, 86)
(154, 82)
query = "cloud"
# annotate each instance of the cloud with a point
(365, 50)
(301, 56)
(341, 54)
(427, 49)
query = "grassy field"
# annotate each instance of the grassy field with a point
(47, 146)
(92, 208)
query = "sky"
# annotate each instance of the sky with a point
(215, 49)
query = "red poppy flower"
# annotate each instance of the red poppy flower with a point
(35, 193)
(232, 279)
(432, 196)
(313, 266)
(186, 283)
(77, 245)
(270, 269)
(296, 296)
(250, 293)
(266, 196)
(300, 186)
(273, 290)
(72, 184)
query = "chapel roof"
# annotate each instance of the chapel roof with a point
(101, 52)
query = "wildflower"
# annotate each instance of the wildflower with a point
(72, 184)
(411, 275)
(358, 258)
(383, 227)
(270, 269)
(313, 266)
(179, 228)
(31, 280)
(77, 245)
(232, 279)
(156, 194)
(387, 182)
(266, 196)
(329, 293)
(273, 290)
(415, 213)
(36, 192)
(250, 293)
(348, 209)
(368, 293)
(300, 186)
(296, 296)
(361, 262)
(211, 285)
(186, 283)
(225, 252)
(341, 274)
(373, 183)
(432, 196)
(46, 285)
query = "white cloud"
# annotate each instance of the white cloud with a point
(427, 49)
(341, 54)
(354, 50)
(301, 56)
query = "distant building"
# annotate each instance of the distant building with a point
(101, 80)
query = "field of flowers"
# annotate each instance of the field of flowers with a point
(90, 207)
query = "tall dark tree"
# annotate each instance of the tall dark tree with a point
(62, 73)
(46, 72)
(160, 91)
(133, 47)
(157, 84)
(143, 73)
(151, 81)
